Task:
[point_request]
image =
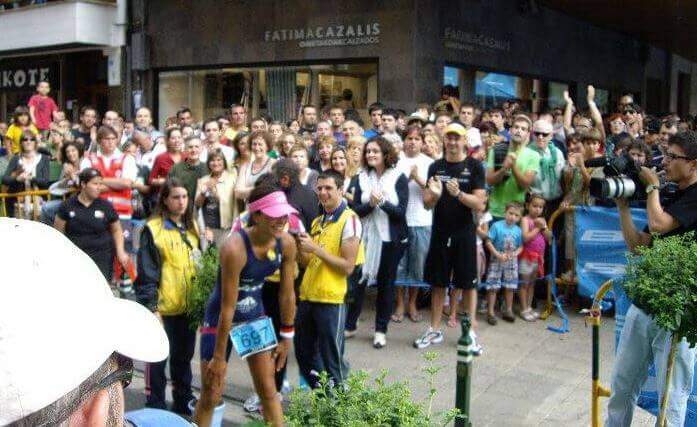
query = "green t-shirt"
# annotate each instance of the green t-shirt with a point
(508, 190)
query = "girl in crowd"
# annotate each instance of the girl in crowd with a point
(26, 171)
(169, 248)
(261, 144)
(324, 152)
(617, 132)
(246, 259)
(286, 142)
(244, 155)
(414, 165)
(215, 198)
(536, 235)
(164, 162)
(300, 155)
(293, 126)
(432, 146)
(93, 225)
(70, 156)
(340, 164)
(354, 150)
(380, 199)
(21, 124)
(276, 131)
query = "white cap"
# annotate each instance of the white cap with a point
(59, 320)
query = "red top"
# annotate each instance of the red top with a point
(162, 165)
(43, 110)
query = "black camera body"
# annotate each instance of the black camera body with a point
(621, 179)
(500, 152)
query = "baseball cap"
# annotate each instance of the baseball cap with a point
(273, 204)
(59, 320)
(416, 117)
(455, 128)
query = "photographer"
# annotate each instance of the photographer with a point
(642, 340)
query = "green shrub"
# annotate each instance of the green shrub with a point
(662, 279)
(362, 402)
(202, 286)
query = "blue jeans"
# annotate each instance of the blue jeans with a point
(319, 341)
(641, 343)
(49, 211)
(411, 267)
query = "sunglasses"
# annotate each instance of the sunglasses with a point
(124, 373)
(672, 156)
(541, 134)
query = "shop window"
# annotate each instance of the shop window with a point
(209, 93)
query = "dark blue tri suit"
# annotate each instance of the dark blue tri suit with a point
(249, 302)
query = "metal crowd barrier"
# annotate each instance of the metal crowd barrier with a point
(26, 209)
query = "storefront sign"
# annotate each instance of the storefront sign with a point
(329, 35)
(474, 42)
(16, 78)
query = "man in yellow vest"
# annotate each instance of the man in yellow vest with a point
(330, 252)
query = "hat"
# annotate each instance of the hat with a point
(59, 320)
(543, 126)
(274, 205)
(416, 116)
(455, 128)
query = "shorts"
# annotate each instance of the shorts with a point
(411, 267)
(528, 267)
(502, 274)
(452, 260)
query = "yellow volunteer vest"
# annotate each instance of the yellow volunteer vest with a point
(322, 283)
(178, 266)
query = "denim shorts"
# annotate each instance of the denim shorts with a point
(411, 267)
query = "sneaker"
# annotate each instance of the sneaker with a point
(491, 319)
(379, 340)
(535, 314)
(482, 308)
(508, 316)
(350, 334)
(252, 403)
(428, 338)
(285, 388)
(527, 315)
(477, 349)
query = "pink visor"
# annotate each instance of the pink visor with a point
(274, 205)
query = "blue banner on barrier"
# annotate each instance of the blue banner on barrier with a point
(600, 248)
(601, 256)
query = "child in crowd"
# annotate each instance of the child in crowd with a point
(505, 244)
(42, 107)
(536, 235)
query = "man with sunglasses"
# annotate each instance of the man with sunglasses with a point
(547, 182)
(67, 359)
(634, 121)
(642, 341)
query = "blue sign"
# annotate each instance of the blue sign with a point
(601, 253)
(253, 337)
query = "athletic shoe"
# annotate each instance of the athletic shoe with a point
(428, 338)
(252, 404)
(379, 340)
(477, 349)
(285, 388)
(482, 308)
(350, 334)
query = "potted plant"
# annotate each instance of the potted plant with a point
(202, 286)
(662, 278)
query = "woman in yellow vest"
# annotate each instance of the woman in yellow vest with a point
(169, 248)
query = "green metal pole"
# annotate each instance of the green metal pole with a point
(464, 375)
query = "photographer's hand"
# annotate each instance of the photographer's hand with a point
(649, 177)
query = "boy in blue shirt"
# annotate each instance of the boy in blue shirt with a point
(505, 244)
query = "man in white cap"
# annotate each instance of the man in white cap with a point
(66, 343)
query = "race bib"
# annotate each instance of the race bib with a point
(253, 337)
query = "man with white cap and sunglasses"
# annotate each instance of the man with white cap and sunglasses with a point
(67, 358)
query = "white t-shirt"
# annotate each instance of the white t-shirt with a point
(474, 138)
(129, 170)
(484, 218)
(148, 159)
(417, 215)
(228, 153)
(352, 228)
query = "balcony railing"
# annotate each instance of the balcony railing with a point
(14, 4)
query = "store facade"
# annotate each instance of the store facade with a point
(274, 56)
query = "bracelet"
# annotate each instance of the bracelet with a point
(287, 331)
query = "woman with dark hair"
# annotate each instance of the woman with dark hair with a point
(380, 199)
(92, 224)
(286, 141)
(293, 126)
(241, 145)
(165, 161)
(169, 248)
(247, 258)
(215, 197)
(70, 157)
(261, 144)
(29, 170)
(21, 124)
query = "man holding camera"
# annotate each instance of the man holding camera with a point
(642, 340)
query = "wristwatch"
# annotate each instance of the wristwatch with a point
(650, 188)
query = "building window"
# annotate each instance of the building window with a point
(209, 93)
